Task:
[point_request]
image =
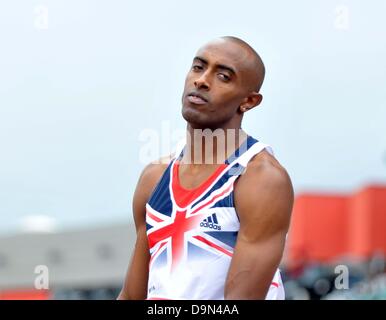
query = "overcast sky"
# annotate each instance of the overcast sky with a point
(80, 81)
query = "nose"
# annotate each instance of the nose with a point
(202, 82)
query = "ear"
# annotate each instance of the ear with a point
(253, 100)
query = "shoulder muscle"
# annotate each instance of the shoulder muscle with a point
(264, 196)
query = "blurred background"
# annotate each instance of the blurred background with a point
(87, 86)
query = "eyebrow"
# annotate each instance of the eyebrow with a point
(219, 66)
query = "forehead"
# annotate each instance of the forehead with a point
(225, 52)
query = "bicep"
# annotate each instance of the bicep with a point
(264, 208)
(135, 285)
(253, 266)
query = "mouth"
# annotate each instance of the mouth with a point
(196, 98)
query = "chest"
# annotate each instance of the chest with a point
(191, 178)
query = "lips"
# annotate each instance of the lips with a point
(196, 98)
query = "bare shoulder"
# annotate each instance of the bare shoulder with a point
(155, 169)
(153, 172)
(147, 182)
(264, 167)
(264, 191)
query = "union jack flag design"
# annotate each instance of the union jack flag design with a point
(195, 230)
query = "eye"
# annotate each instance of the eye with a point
(224, 77)
(196, 68)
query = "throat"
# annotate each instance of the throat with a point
(207, 148)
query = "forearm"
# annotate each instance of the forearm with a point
(135, 286)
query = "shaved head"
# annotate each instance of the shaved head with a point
(255, 62)
(222, 84)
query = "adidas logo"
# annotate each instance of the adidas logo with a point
(211, 222)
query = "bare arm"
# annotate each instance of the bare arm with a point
(263, 200)
(135, 285)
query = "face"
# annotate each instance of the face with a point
(217, 83)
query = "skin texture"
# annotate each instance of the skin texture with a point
(263, 194)
(135, 285)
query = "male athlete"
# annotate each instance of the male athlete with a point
(213, 229)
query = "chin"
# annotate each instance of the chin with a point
(196, 119)
(191, 115)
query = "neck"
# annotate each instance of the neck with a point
(209, 146)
